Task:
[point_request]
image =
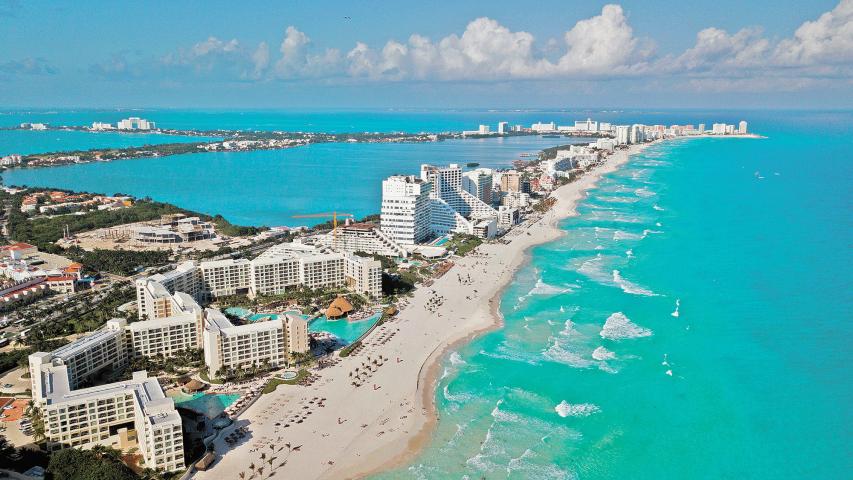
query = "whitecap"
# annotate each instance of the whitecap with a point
(458, 397)
(658, 208)
(556, 352)
(565, 409)
(630, 287)
(618, 327)
(620, 235)
(456, 359)
(677, 305)
(542, 288)
(629, 252)
(602, 354)
(644, 192)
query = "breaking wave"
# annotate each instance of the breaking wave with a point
(456, 359)
(630, 287)
(618, 327)
(602, 354)
(644, 192)
(566, 409)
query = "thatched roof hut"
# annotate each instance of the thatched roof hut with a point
(194, 386)
(338, 308)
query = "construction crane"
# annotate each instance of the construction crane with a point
(334, 216)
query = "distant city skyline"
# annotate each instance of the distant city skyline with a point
(496, 54)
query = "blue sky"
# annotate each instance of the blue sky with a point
(440, 54)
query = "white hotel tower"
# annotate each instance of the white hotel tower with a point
(405, 213)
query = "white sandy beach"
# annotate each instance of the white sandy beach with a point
(386, 421)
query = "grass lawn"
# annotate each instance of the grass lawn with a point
(275, 382)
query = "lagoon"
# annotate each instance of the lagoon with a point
(270, 187)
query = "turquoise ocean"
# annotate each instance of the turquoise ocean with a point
(693, 322)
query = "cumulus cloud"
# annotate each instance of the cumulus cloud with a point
(603, 46)
(487, 50)
(298, 60)
(829, 39)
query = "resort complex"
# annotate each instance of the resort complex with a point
(241, 316)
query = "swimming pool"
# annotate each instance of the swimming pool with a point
(441, 241)
(238, 311)
(342, 328)
(209, 404)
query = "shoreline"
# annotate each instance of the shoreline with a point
(571, 197)
(387, 421)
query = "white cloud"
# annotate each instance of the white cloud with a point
(717, 49)
(299, 61)
(829, 39)
(601, 47)
(487, 50)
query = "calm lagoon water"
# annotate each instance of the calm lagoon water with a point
(25, 142)
(270, 187)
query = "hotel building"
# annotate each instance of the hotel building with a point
(174, 328)
(262, 343)
(103, 415)
(405, 213)
(364, 275)
(362, 237)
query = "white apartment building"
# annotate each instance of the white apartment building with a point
(227, 277)
(544, 127)
(447, 188)
(83, 359)
(479, 184)
(262, 343)
(587, 125)
(174, 329)
(99, 126)
(135, 123)
(288, 265)
(102, 415)
(361, 237)
(741, 128)
(515, 200)
(405, 211)
(636, 134)
(622, 134)
(364, 275)
(186, 277)
(503, 127)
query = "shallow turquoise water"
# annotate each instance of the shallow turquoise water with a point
(749, 241)
(25, 142)
(209, 404)
(344, 329)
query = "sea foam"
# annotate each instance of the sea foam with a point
(630, 287)
(602, 354)
(618, 327)
(565, 409)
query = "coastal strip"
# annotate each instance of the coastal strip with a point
(386, 422)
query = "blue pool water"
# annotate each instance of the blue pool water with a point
(344, 329)
(209, 404)
(238, 311)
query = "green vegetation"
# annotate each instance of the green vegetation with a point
(204, 376)
(544, 205)
(275, 382)
(78, 316)
(20, 459)
(43, 231)
(99, 463)
(180, 362)
(346, 351)
(463, 244)
(119, 262)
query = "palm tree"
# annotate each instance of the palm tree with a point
(33, 412)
